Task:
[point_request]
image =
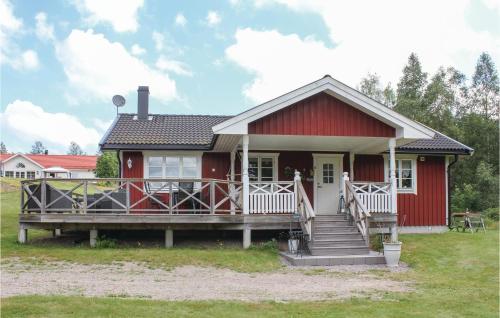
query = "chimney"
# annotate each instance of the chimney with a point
(143, 102)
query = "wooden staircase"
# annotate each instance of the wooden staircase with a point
(333, 236)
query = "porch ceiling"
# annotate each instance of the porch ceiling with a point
(319, 143)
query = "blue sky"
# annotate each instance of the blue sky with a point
(63, 60)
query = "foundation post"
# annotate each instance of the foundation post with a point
(93, 237)
(169, 238)
(247, 238)
(23, 234)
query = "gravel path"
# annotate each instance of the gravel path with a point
(194, 283)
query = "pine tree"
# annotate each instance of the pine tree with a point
(3, 149)
(485, 90)
(38, 148)
(411, 89)
(75, 149)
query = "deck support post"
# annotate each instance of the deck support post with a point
(57, 233)
(22, 236)
(247, 237)
(394, 187)
(169, 238)
(93, 237)
(244, 173)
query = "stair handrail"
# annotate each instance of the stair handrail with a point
(356, 209)
(304, 207)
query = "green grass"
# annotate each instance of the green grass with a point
(253, 260)
(454, 275)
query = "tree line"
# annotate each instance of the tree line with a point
(38, 148)
(465, 110)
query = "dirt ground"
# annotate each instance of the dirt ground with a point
(197, 283)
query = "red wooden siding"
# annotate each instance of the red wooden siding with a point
(216, 165)
(321, 115)
(369, 168)
(136, 171)
(428, 206)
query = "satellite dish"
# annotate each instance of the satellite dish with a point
(118, 100)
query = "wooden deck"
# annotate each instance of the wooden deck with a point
(51, 221)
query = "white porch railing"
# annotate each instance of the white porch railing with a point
(375, 196)
(356, 210)
(272, 197)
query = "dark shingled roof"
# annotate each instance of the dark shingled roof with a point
(194, 132)
(162, 132)
(439, 144)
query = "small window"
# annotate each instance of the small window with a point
(261, 167)
(20, 174)
(30, 174)
(20, 165)
(9, 174)
(155, 167)
(189, 167)
(405, 175)
(328, 173)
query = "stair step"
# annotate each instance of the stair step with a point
(337, 222)
(330, 217)
(329, 235)
(350, 250)
(354, 243)
(334, 230)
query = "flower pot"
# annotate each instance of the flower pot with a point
(293, 245)
(392, 253)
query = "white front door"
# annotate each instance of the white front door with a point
(328, 171)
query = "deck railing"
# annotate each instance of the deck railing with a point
(272, 197)
(375, 196)
(304, 210)
(131, 195)
(356, 210)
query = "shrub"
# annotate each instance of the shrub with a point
(492, 214)
(103, 242)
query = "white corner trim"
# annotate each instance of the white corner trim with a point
(411, 129)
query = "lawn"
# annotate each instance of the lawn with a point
(455, 275)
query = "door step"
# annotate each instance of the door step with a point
(338, 243)
(339, 250)
(372, 258)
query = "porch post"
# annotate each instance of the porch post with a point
(351, 164)
(232, 178)
(244, 173)
(394, 192)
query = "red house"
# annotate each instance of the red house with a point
(318, 152)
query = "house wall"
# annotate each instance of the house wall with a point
(11, 165)
(321, 115)
(425, 208)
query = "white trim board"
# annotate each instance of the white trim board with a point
(405, 128)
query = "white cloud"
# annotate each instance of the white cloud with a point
(97, 67)
(31, 122)
(121, 14)
(179, 68)
(180, 19)
(213, 18)
(138, 50)
(389, 32)
(159, 40)
(102, 125)
(44, 31)
(10, 53)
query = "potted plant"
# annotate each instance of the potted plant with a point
(392, 252)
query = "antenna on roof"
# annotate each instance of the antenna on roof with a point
(119, 101)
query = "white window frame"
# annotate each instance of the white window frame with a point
(163, 154)
(259, 156)
(413, 160)
(30, 172)
(11, 172)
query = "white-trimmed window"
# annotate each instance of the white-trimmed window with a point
(30, 174)
(20, 174)
(263, 167)
(406, 173)
(9, 174)
(173, 166)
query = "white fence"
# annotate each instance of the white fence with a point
(272, 197)
(375, 196)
